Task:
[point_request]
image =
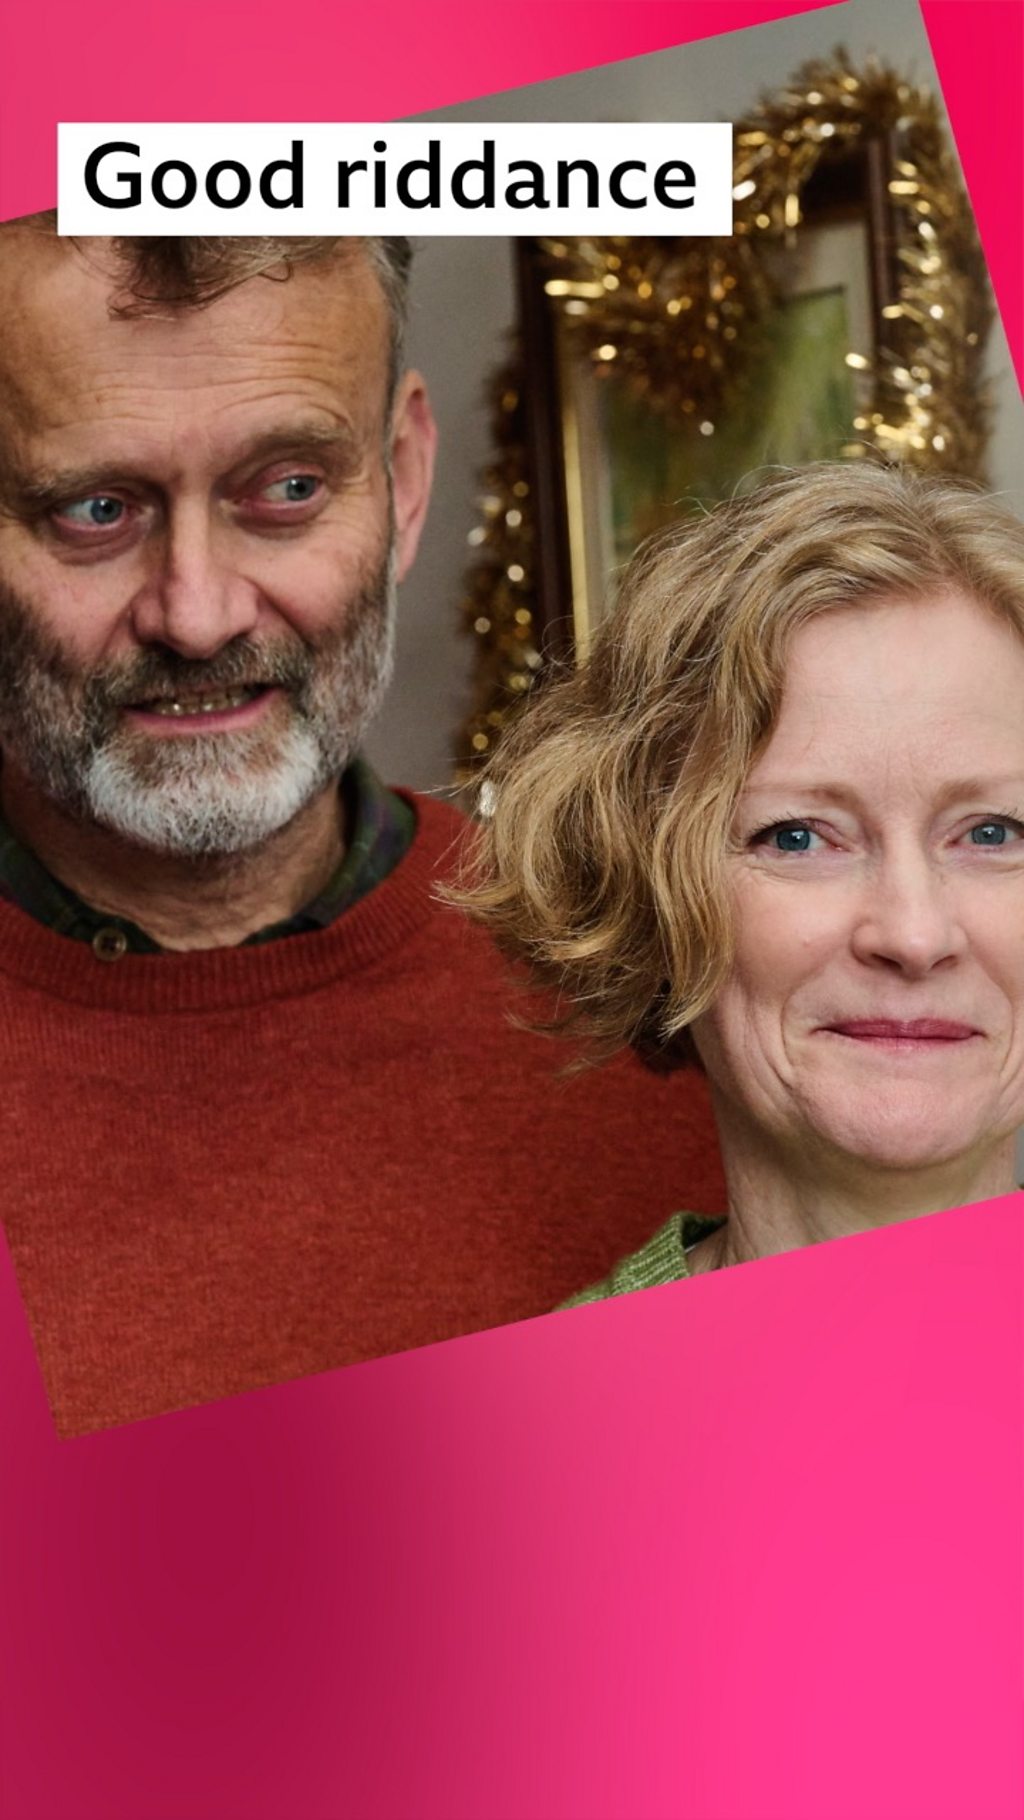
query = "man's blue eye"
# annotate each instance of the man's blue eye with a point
(295, 490)
(100, 510)
(995, 833)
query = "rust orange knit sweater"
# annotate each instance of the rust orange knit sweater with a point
(224, 1169)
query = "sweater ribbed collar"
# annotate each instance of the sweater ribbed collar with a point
(224, 979)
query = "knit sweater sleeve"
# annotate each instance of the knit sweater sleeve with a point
(661, 1260)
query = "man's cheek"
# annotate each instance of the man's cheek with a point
(330, 582)
(319, 579)
(82, 615)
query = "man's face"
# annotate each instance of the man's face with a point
(201, 518)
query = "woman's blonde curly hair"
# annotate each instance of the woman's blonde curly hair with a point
(601, 863)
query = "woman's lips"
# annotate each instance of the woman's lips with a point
(902, 1032)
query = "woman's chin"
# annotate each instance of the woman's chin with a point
(905, 1132)
(911, 1155)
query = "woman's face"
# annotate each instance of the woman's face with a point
(876, 1003)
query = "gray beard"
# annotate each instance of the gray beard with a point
(196, 795)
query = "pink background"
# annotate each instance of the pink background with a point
(748, 1546)
(327, 61)
(739, 1549)
(319, 61)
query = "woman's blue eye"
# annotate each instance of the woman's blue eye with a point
(296, 489)
(100, 510)
(791, 837)
(999, 831)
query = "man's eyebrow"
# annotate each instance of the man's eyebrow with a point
(48, 487)
(339, 438)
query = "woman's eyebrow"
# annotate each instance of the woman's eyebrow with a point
(981, 786)
(849, 796)
(846, 794)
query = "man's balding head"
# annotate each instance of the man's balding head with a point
(157, 275)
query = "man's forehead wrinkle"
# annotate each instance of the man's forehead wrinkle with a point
(65, 388)
(71, 374)
(62, 341)
(117, 418)
(231, 350)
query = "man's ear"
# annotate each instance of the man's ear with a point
(413, 443)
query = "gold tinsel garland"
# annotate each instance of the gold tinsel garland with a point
(678, 322)
(498, 604)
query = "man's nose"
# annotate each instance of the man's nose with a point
(195, 600)
(908, 918)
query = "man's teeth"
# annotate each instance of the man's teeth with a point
(202, 704)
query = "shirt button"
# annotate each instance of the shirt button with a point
(109, 944)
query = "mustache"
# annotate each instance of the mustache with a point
(161, 674)
(62, 720)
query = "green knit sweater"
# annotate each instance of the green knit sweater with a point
(662, 1260)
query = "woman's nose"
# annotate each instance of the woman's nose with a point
(908, 917)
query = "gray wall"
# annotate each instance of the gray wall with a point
(463, 308)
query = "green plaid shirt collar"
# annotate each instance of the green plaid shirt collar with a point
(380, 827)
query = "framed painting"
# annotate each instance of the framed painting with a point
(845, 317)
(630, 469)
